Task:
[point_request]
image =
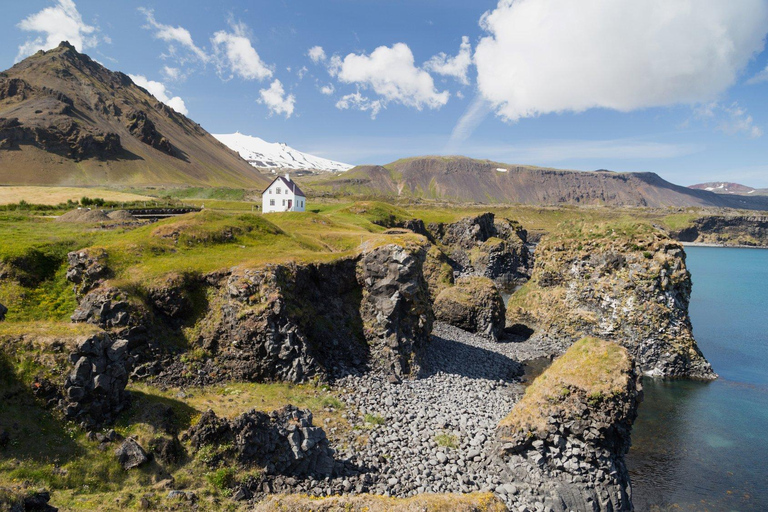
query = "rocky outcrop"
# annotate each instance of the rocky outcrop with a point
(486, 246)
(284, 442)
(473, 304)
(631, 287)
(3, 312)
(86, 269)
(395, 309)
(145, 130)
(62, 136)
(94, 391)
(130, 454)
(106, 306)
(731, 230)
(563, 444)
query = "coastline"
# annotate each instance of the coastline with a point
(723, 246)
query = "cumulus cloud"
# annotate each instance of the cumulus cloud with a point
(159, 91)
(760, 77)
(731, 119)
(456, 66)
(391, 73)
(357, 101)
(327, 89)
(543, 56)
(174, 74)
(276, 100)
(317, 54)
(173, 35)
(235, 53)
(60, 22)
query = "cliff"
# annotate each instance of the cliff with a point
(625, 283)
(728, 230)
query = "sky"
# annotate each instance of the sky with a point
(676, 87)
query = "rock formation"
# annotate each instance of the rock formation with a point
(631, 287)
(746, 230)
(563, 444)
(473, 304)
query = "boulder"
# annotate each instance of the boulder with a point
(94, 391)
(473, 304)
(105, 306)
(86, 268)
(3, 312)
(284, 441)
(130, 454)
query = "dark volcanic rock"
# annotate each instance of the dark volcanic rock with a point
(105, 306)
(395, 309)
(86, 268)
(473, 304)
(284, 441)
(94, 392)
(3, 312)
(144, 129)
(130, 454)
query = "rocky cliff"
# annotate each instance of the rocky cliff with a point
(731, 230)
(628, 284)
(563, 444)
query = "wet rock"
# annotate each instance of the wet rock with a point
(130, 454)
(473, 304)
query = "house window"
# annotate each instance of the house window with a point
(278, 190)
(271, 202)
(283, 202)
(270, 191)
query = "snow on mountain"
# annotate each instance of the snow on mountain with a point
(276, 155)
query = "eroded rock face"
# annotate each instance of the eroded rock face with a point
(633, 289)
(486, 246)
(86, 269)
(395, 308)
(747, 230)
(94, 391)
(106, 306)
(573, 459)
(142, 127)
(284, 441)
(473, 304)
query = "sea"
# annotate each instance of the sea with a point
(704, 446)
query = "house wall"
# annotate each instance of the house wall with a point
(298, 203)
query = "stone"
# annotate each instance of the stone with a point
(3, 312)
(473, 304)
(130, 454)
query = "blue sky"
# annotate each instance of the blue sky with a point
(676, 87)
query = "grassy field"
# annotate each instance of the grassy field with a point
(58, 195)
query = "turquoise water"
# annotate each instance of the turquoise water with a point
(704, 446)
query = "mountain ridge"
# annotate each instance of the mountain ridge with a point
(464, 179)
(65, 119)
(728, 187)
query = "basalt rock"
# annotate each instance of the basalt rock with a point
(473, 304)
(86, 269)
(106, 306)
(565, 450)
(745, 230)
(94, 391)
(395, 307)
(486, 246)
(284, 441)
(142, 127)
(631, 288)
(3, 312)
(130, 454)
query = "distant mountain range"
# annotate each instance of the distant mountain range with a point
(482, 181)
(276, 155)
(724, 187)
(67, 120)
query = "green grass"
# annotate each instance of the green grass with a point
(447, 440)
(373, 419)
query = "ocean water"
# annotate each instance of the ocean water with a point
(704, 446)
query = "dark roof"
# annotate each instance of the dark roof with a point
(292, 186)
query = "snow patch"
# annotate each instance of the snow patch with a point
(502, 170)
(276, 155)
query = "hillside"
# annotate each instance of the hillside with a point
(725, 187)
(67, 120)
(482, 181)
(277, 155)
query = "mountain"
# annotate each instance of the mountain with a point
(67, 120)
(464, 179)
(724, 187)
(276, 155)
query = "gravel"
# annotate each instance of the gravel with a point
(433, 433)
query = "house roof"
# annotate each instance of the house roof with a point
(291, 185)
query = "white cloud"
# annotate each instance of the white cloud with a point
(159, 91)
(618, 149)
(327, 89)
(235, 52)
(391, 73)
(357, 101)
(457, 66)
(317, 54)
(471, 119)
(731, 119)
(301, 72)
(173, 73)
(60, 22)
(545, 56)
(276, 100)
(171, 35)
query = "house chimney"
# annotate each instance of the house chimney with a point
(288, 176)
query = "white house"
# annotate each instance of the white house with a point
(283, 195)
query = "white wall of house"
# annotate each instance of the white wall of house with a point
(279, 198)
